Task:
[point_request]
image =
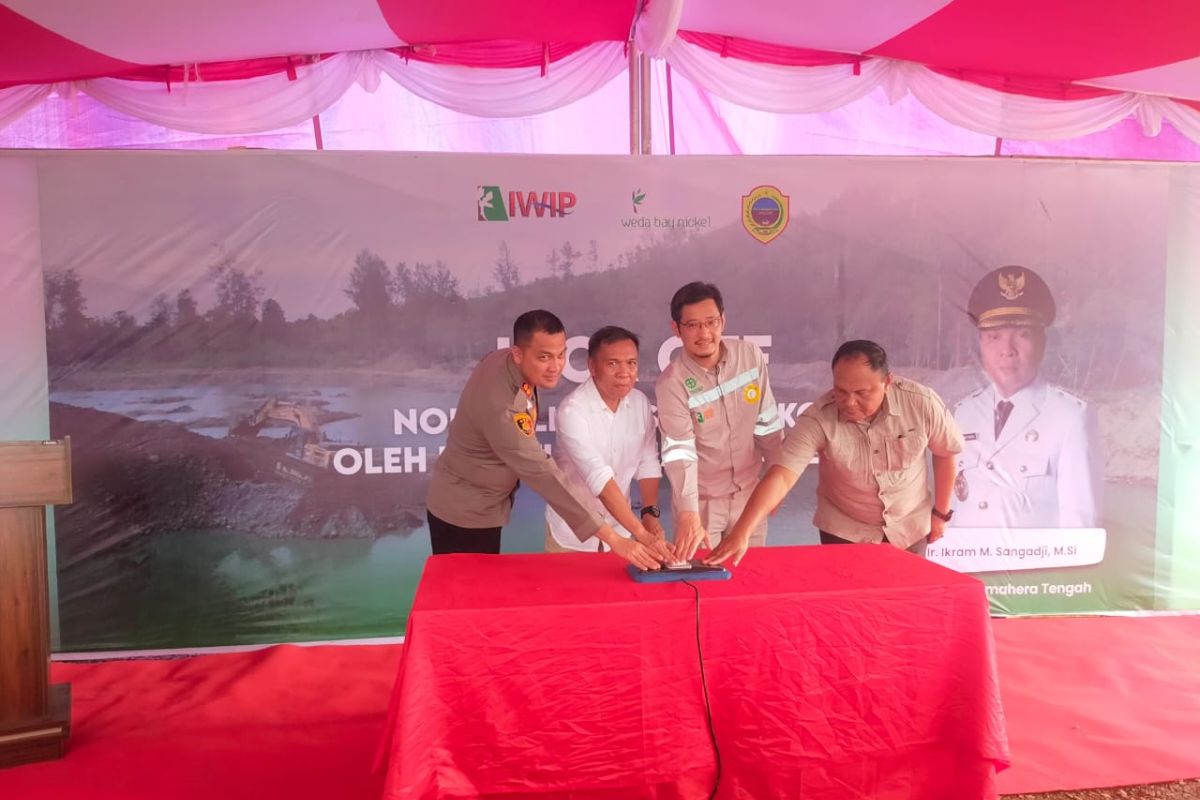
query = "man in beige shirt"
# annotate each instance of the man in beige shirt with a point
(719, 421)
(491, 446)
(870, 432)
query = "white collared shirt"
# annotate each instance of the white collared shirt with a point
(1044, 470)
(595, 445)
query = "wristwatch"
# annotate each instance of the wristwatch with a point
(652, 511)
(943, 516)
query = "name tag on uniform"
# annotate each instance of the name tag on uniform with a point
(970, 437)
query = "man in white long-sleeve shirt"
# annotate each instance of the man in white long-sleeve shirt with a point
(606, 440)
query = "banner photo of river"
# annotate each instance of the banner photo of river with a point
(256, 356)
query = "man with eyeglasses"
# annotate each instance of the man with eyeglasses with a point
(719, 422)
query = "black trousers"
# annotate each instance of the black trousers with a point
(918, 548)
(446, 538)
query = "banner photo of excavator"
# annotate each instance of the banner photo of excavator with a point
(257, 356)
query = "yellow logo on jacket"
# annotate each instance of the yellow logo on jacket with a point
(752, 394)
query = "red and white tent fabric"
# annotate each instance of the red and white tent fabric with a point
(1028, 69)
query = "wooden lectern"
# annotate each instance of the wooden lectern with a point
(35, 717)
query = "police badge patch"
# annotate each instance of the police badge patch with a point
(961, 490)
(524, 423)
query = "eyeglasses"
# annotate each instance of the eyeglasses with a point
(693, 325)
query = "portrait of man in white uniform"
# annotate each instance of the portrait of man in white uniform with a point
(1033, 457)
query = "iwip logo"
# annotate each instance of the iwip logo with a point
(495, 205)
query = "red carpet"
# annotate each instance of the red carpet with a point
(287, 722)
(1090, 702)
(1099, 701)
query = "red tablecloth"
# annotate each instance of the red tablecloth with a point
(858, 671)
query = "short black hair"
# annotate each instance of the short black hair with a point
(610, 334)
(695, 292)
(537, 321)
(875, 356)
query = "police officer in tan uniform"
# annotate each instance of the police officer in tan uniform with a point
(1032, 457)
(491, 446)
(719, 421)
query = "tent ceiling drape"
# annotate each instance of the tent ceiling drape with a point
(1010, 68)
(48, 41)
(1151, 47)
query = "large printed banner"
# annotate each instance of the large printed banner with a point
(257, 356)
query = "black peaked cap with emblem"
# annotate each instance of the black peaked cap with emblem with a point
(1011, 295)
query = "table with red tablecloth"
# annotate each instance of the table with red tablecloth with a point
(859, 671)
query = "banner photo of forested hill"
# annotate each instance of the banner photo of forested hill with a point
(256, 356)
